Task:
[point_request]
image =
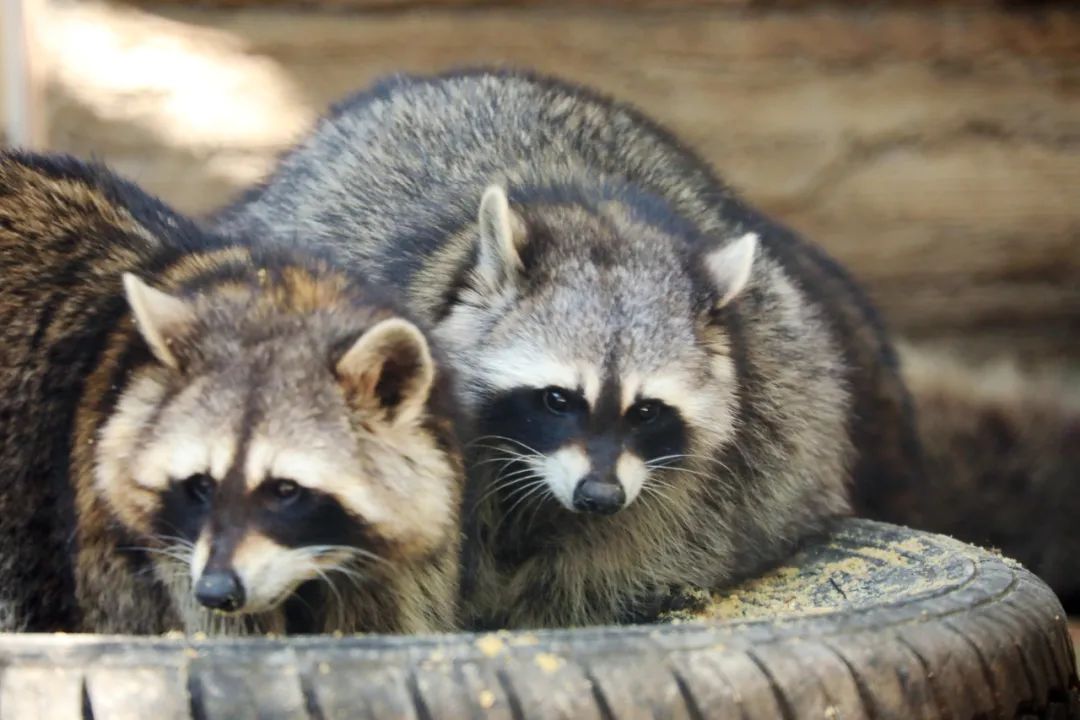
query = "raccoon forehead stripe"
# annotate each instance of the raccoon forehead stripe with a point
(631, 387)
(529, 367)
(590, 383)
(267, 459)
(316, 472)
(222, 452)
(679, 391)
(187, 457)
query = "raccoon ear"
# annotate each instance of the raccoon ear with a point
(159, 316)
(390, 365)
(501, 235)
(729, 267)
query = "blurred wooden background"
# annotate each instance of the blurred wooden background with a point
(934, 147)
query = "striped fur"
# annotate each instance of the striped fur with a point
(242, 370)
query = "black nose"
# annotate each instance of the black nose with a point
(220, 590)
(603, 497)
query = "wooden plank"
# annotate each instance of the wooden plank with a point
(398, 5)
(42, 692)
(21, 74)
(934, 151)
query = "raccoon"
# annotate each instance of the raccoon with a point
(667, 389)
(201, 435)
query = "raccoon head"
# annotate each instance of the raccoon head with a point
(280, 434)
(591, 350)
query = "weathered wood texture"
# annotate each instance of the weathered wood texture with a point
(393, 5)
(935, 151)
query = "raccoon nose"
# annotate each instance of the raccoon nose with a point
(220, 590)
(603, 497)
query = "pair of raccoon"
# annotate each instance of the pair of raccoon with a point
(659, 387)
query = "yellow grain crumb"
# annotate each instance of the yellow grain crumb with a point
(911, 545)
(490, 645)
(486, 699)
(548, 663)
(324, 668)
(890, 557)
(524, 639)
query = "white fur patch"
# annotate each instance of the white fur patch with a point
(562, 471)
(158, 316)
(676, 390)
(632, 474)
(199, 556)
(257, 464)
(590, 383)
(269, 571)
(525, 366)
(730, 266)
(120, 435)
(500, 232)
(631, 385)
(171, 460)
(222, 451)
(265, 461)
(723, 369)
(528, 366)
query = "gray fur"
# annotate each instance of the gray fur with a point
(618, 219)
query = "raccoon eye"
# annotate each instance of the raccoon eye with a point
(285, 491)
(556, 400)
(198, 487)
(645, 412)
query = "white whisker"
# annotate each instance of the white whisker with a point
(477, 440)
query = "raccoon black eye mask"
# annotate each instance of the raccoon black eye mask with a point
(206, 435)
(589, 461)
(665, 387)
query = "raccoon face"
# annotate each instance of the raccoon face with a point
(590, 354)
(265, 450)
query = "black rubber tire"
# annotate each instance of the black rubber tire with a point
(877, 621)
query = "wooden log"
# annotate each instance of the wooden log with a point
(397, 5)
(935, 151)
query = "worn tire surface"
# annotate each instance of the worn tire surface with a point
(876, 621)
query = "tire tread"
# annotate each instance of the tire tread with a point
(991, 642)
